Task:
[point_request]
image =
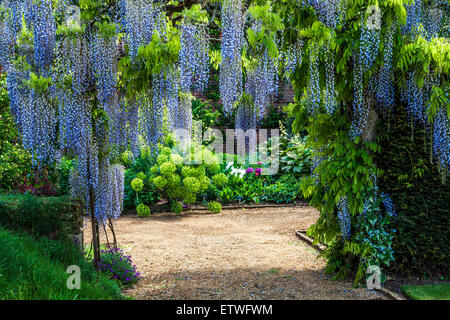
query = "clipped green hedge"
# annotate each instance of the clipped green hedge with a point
(54, 217)
(420, 197)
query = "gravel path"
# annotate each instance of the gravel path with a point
(239, 254)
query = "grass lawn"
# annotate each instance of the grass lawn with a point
(36, 270)
(428, 292)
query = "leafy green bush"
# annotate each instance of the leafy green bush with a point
(286, 189)
(273, 117)
(139, 168)
(215, 207)
(143, 211)
(179, 182)
(177, 207)
(202, 110)
(64, 167)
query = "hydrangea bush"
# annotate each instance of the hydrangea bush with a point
(180, 180)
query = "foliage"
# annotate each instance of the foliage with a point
(143, 211)
(422, 203)
(215, 207)
(203, 111)
(139, 168)
(40, 216)
(273, 117)
(353, 70)
(428, 292)
(43, 268)
(295, 156)
(177, 207)
(375, 235)
(119, 266)
(64, 168)
(286, 189)
(180, 179)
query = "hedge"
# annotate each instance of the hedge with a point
(54, 217)
(421, 198)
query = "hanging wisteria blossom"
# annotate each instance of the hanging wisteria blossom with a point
(139, 22)
(330, 82)
(262, 79)
(231, 46)
(246, 113)
(44, 32)
(329, 12)
(385, 91)
(293, 57)
(344, 218)
(193, 57)
(314, 92)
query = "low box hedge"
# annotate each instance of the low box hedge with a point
(54, 217)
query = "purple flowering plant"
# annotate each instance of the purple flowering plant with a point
(119, 265)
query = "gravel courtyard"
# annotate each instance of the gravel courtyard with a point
(238, 254)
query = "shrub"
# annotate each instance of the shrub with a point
(137, 184)
(64, 167)
(181, 183)
(215, 207)
(140, 168)
(114, 262)
(143, 211)
(177, 207)
(421, 198)
(41, 216)
(287, 189)
(141, 176)
(220, 179)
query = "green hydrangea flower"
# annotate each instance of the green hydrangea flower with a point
(215, 207)
(160, 182)
(220, 179)
(192, 184)
(137, 184)
(166, 151)
(213, 167)
(176, 159)
(187, 172)
(141, 176)
(167, 168)
(154, 169)
(204, 183)
(143, 211)
(162, 158)
(127, 157)
(173, 181)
